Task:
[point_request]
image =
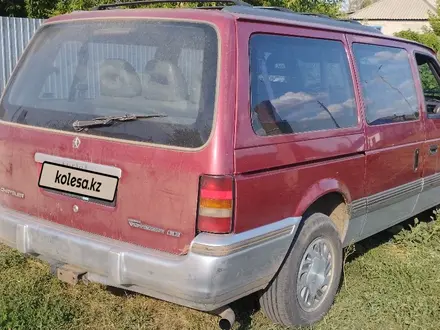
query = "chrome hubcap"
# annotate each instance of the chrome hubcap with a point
(315, 274)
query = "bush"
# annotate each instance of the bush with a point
(427, 38)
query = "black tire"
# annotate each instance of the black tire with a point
(280, 301)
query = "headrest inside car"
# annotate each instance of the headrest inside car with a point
(164, 81)
(118, 78)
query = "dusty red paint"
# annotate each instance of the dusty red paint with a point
(390, 148)
(158, 186)
(306, 166)
(276, 177)
(431, 164)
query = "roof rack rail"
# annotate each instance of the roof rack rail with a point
(329, 17)
(315, 14)
(287, 10)
(211, 7)
(287, 14)
(240, 6)
(350, 21)
(150, 2)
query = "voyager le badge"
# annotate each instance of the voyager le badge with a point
(137, 224)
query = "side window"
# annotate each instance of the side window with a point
(300, 85)
(430, 83)
(387, 82)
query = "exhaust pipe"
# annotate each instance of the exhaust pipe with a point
(227, 318)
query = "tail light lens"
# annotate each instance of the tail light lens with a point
(215, 209)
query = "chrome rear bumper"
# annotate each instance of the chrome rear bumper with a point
(217, 270)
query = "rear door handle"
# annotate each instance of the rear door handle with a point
(433, 149)
(416, 159)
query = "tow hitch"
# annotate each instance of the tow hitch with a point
(70, 274)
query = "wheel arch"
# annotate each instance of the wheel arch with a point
(325, 192)
(330, 197)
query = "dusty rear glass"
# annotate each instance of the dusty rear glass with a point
(87, 69)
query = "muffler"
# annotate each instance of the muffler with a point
(227, 318)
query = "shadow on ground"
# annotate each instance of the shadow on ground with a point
(385, 236)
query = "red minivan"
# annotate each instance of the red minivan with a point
(201, 155)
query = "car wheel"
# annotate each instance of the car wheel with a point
(305, 287)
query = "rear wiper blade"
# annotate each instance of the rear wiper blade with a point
(80, 125)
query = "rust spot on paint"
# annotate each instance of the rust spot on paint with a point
(185, 249)
(9, 169)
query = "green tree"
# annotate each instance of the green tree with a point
(354, 5)
(328, 7)
(428, 80)
(40, 8)
(430, 36)
(14, 8)
(46, 8)
(434, 19)
(67, 6)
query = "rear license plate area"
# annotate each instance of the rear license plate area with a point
(82, 183)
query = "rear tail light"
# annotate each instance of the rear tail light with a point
(215, 209)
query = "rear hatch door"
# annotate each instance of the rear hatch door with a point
(67, 147)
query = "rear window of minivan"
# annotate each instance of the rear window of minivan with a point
(88, 69)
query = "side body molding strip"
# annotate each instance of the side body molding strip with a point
(363, 208)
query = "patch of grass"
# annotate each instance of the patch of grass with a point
(30, 298)
(391, 282)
